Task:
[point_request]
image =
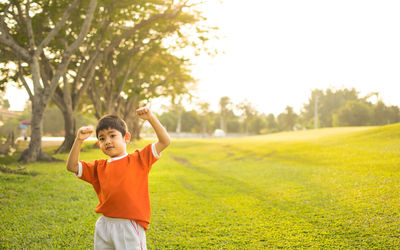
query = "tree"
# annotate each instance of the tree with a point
(169, 120)
(121, 34)
(144, 65)
(248, 114)
(287, 120)
(204, 111)
(28, 38)
(191, 122)
(329, 102)
(178, 109)
(383, 114)
(272, 125)
(380, 113)
(224, 105)
(355, 113)
(232, 122)
(4, 103)
(393, 114)
(257, 124)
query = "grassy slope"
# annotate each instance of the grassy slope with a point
(327, 188)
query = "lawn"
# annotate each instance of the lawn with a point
(326, 188)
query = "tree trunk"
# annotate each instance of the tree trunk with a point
(203, 127)
(136, 127)
(70, 131)
(179, 122)
(34, 151)
(223, 122)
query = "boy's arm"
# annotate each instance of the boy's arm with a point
(73, 157)
(162, 135)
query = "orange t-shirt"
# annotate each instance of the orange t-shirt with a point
(122, 184)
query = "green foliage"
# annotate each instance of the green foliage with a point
(169, 120)
(4, 103)
(354, 113)
(329, 102)
(287, 120)
(10, 126)
(53, 121)
(249, 114)
(272, 125)
(257, 124)
(191, 122)
(233, 124)
(345, 108)
(326, 188)
(383, 114)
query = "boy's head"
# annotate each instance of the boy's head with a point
(111, 121)
(112, 135)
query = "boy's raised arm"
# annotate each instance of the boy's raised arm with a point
(162, 135)
(73, 157)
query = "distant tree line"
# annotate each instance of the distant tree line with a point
(335, 108)
(342, 107)
(345, 108)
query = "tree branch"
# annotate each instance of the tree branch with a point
(94, 95)
(57, 97)
(47, 70)
(35, 70)
(67, 92)
(166, 15)
(19, 18)
(62, 67)
(88, 78)
(57, 28)
(28, 22)
(7, 40)
(21, 77)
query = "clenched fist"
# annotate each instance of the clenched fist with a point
(84, 132)
(144, 113)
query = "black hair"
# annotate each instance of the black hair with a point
(111, 121)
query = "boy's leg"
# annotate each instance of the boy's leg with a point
(129, 235)
(102, 239)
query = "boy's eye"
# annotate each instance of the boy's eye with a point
(112, 135)
(101, 139)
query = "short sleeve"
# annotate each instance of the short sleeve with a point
(148, 156)
(154, 150)
(87, 171)
(79, 174)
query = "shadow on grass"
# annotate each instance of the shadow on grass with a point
(19, 171)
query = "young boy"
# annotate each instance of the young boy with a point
(121, 182)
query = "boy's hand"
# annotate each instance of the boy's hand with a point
(84, 133)
(144, 113)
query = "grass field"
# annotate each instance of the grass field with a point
(330, 188)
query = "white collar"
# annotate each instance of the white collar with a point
(117, 158)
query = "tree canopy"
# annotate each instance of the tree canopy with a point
(127, 55)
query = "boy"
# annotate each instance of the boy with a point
(121, 182)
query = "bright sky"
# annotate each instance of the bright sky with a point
(277, 51)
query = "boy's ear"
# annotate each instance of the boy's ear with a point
(127, 137)
(98, 143)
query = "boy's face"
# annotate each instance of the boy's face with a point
(112, 143)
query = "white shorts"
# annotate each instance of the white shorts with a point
(115, 233)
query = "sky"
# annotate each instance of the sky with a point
(276, 52)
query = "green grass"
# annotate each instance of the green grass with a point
(330, 188)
